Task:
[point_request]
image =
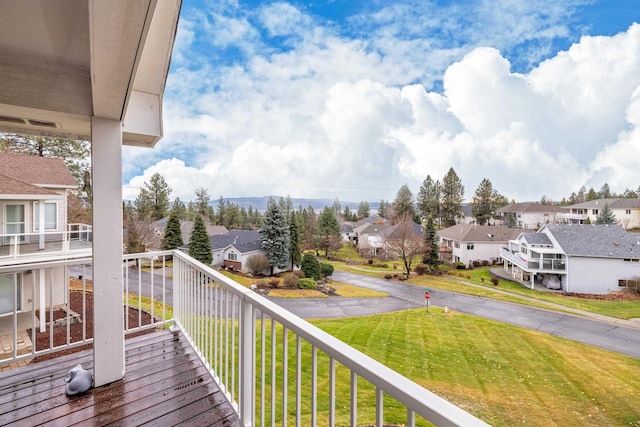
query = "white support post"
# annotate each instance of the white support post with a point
(42, 296)
(108, 311)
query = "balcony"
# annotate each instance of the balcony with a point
(533, 264)
(18, 248)
(268, 365)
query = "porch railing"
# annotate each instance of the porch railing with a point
(274, 367)
(77, 238)
(544, 264)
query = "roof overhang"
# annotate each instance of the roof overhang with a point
(65, 61)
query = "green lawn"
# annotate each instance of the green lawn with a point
(503, 374)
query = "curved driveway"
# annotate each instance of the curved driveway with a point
(599, 331)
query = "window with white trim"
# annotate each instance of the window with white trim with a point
(232, 256)
(470, 246)
(50, 216)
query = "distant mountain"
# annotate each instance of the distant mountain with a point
(260, 203)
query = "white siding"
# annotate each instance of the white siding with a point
(598, 275)
(59, 288)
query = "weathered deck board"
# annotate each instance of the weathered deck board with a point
(165, 384)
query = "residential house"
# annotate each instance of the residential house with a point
(531, 215)
(466, 243)
(580, 258)
(626, 211)
(403, 236)
(33, 229)
(368, 234)
(234, 248)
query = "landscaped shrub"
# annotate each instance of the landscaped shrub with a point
(476, 263)
(468, 276)
(299, 273)
(370, 261)
(257, 263)
(495, 281)
(421, 269)
(460, 265)
(274, 282)
(382, 265)
(307, 283)
(326, 269)
(485, 262)
(311, 267)
(290, 280)
(388, 276)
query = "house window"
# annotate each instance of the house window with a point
(628, 211)
(14, 221)
(470, 246)
(50, 216)
(456, 245)
(626, 283)
(594, 211)
(9, 282)
(233, 256)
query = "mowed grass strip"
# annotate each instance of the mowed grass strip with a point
(503, 374)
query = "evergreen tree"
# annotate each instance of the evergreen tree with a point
(581, 197)
(512, 221)
(158, 191)
(403, 207)
(482, 208)
(294, 240)
(172, 233)
(382, 208)
(134, 240)
(201, 204)
(179, 208)
(606, 216)
(363, 210)
(605, 191)
(143, 205)
(428, 199)
(199, 243)
(274, 235)
(591, 195)
(452, 196)
(311, 267)
(431, 255)
(328, 230)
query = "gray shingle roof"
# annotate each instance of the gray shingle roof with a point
(537, 238)
(243, 240)
(479, 233)
(614, 203)
(610, 241)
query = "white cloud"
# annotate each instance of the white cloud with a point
(334, 117)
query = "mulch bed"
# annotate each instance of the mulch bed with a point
(613, 296)
(76, 328)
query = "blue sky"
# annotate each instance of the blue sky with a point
(352, 99)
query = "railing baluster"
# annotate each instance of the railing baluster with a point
(263, 345)
(298, 379)
(314, 385)
(273, 372)
(285, 368)
(379, 407)
(354, 399)
(332, 392)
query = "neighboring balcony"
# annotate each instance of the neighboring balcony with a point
(543, 265)
(77, 240)
(232, 358)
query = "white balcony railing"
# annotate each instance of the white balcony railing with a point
(274, 367)
(77, 239)
(530, 264)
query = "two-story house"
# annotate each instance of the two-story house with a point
(587, 258)
(33, 228)
(530, 215)
(466, 243)
(626, 211)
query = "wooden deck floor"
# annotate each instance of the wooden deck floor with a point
(165, 385)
